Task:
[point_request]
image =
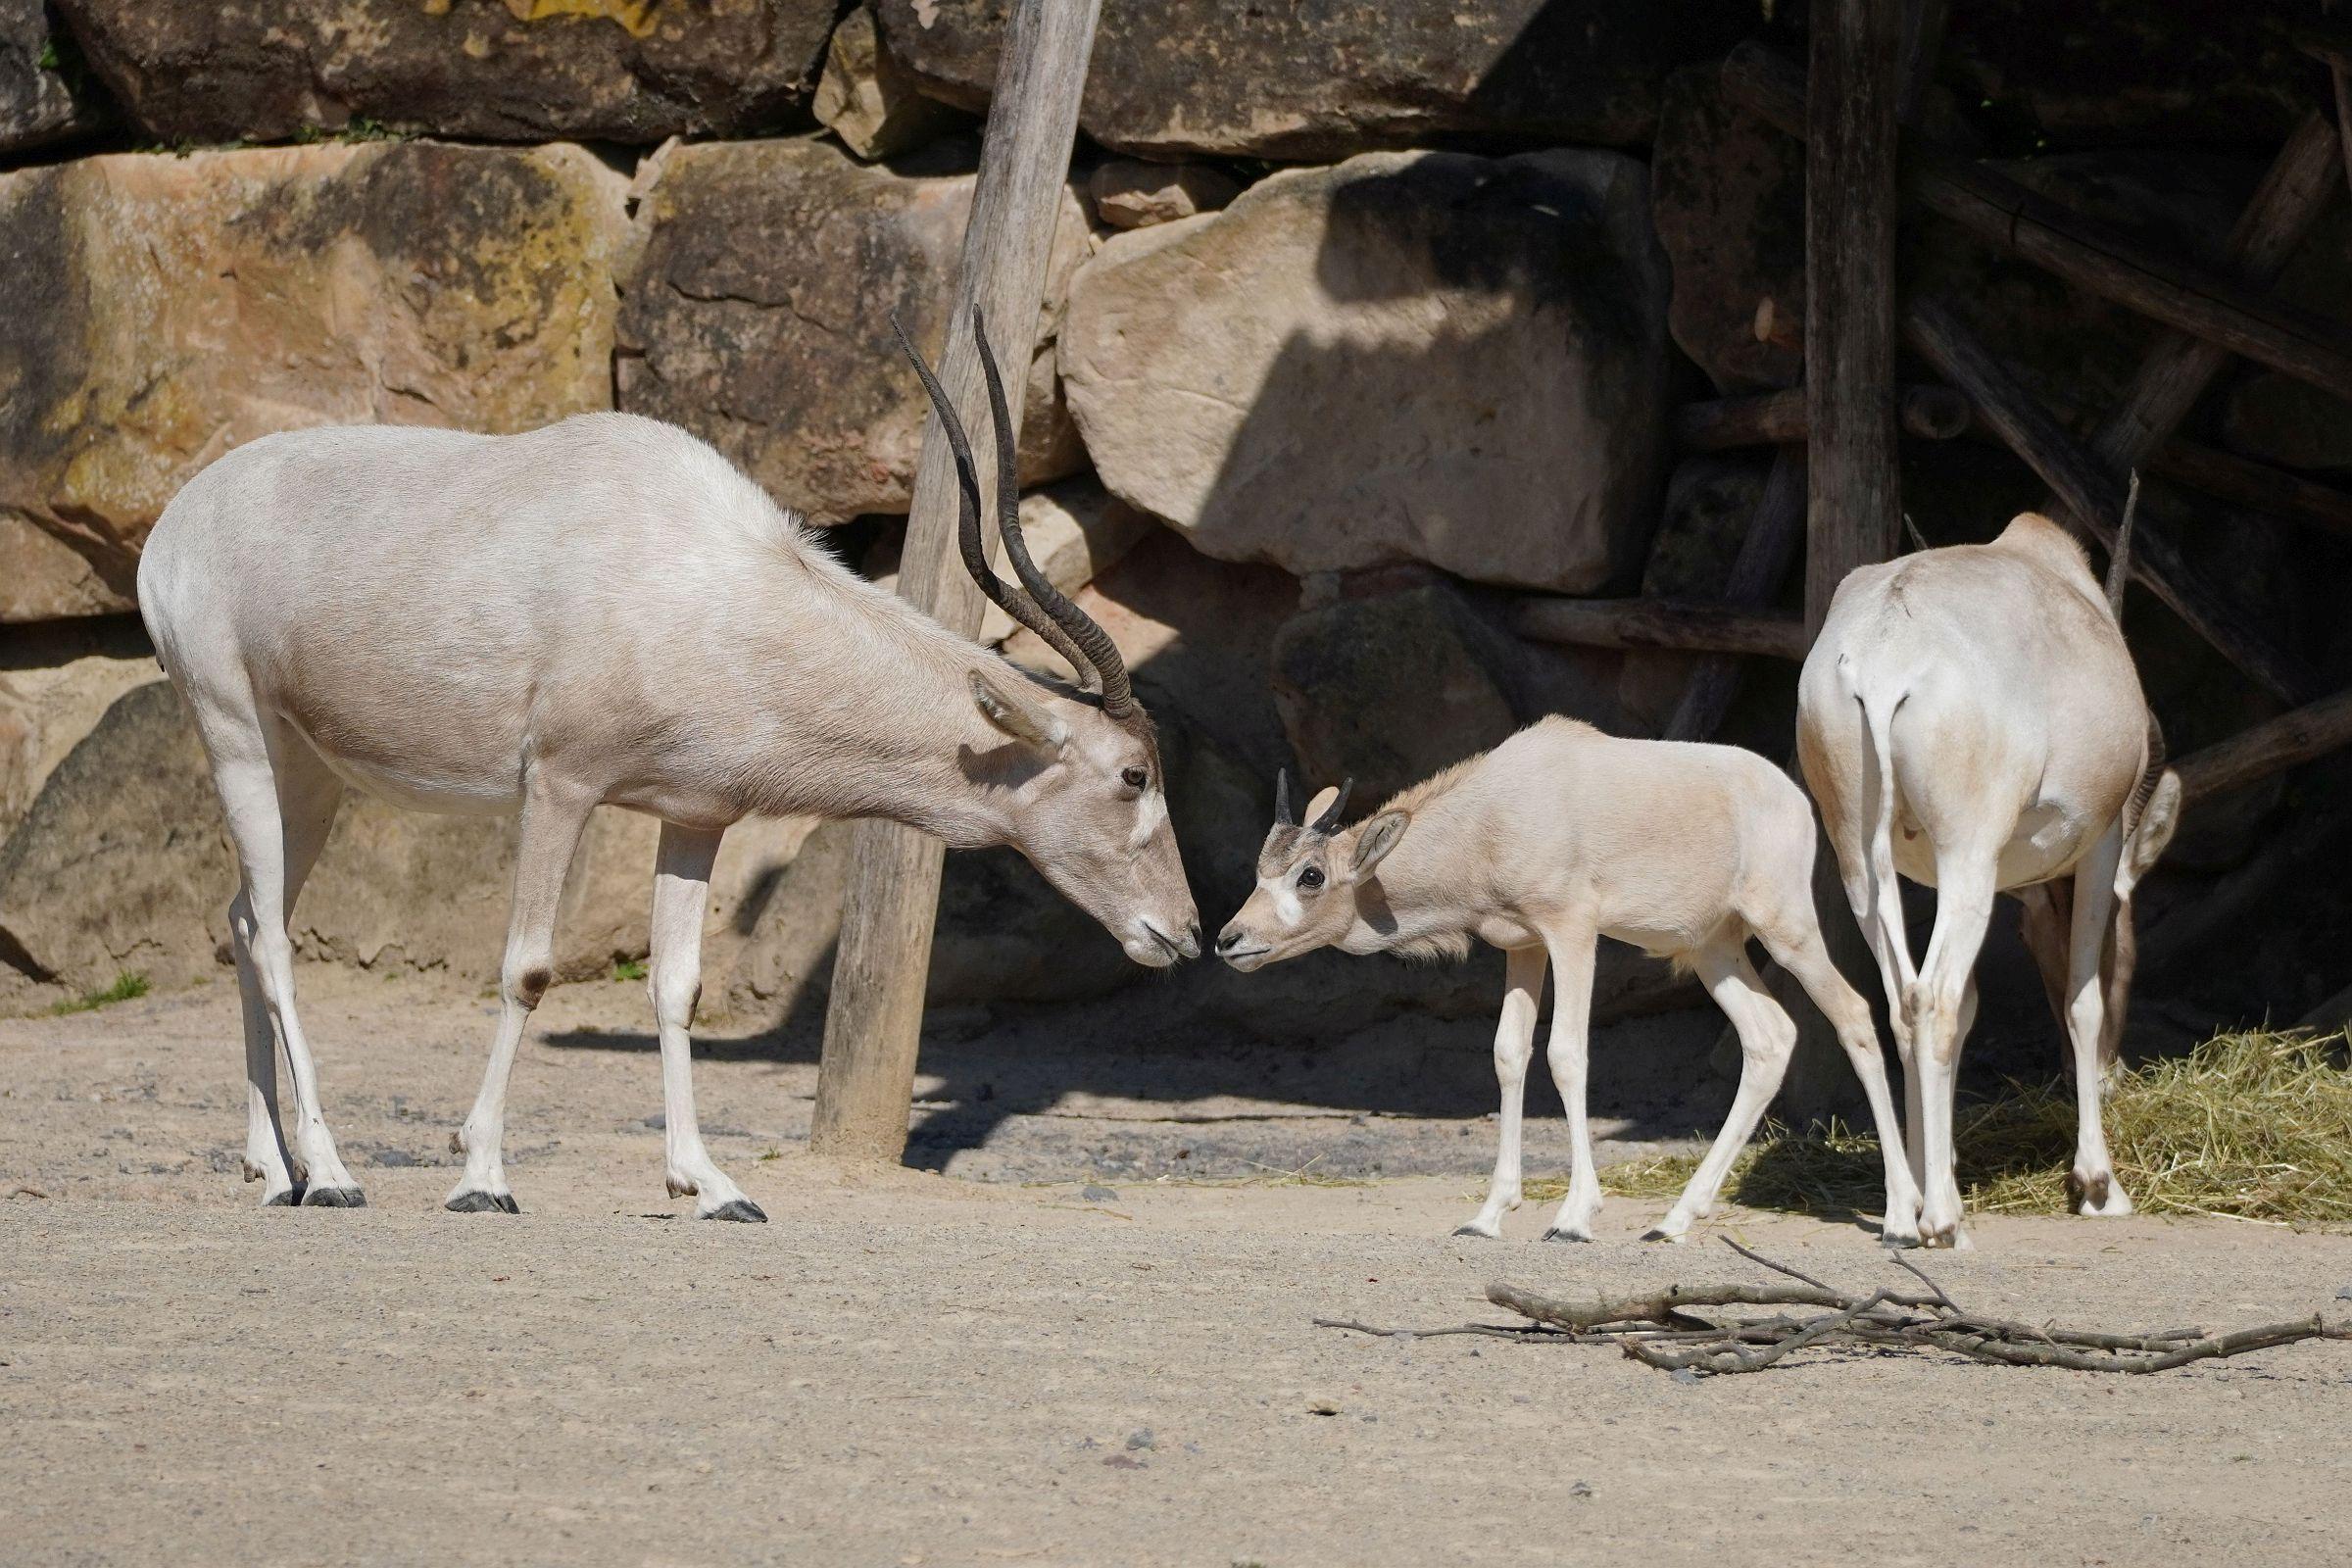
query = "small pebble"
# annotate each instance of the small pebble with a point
(1582, 1490)
(1094, 1193)
(1140, 1438)
(1685, 1374)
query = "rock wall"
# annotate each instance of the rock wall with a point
(1361, 319)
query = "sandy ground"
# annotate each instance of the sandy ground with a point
(923, 1368)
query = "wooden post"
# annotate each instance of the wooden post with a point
(2296, 736)
(1855, 511)
(865, 1077)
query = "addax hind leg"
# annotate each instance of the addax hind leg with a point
(1942, 1005)
(2091, 1186)
(1514, 1048)
(1798, 945)
(1767, 1040)
(280, 801)
(551, 821)
(682, 892)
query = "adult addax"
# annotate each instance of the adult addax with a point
(605, 611)
(1970, 718)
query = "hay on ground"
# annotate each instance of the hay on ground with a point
(2252, 1126)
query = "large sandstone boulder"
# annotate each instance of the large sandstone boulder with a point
(45, 711)
(628, 71)
(869, 100)
(757, 317)
(123, 863)
(1390, 688)
(1129, 194)
(1421, 356)
(168, 308)
(1728, 193)
(45, 577)
(1322, 79)
(46, 96)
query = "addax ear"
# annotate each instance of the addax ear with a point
(1018, 716)
(1376, 838)
(2152, 833)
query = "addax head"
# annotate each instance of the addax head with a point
(1081, 768)
(1311, 879)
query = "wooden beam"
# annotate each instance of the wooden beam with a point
(1669, 625)
(2093, 256)
(1765, 556)
(2094, 497)
(2282, 742)
(1915, 70)
(1854, 487)
(865, 1077)
(2301, 184)
(2227, 476)
(1770, 418)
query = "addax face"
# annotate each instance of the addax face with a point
(1307, 881)
(1093, 817)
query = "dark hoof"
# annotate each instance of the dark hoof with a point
(1556, 1234)
(285, 1199)
(334, 1197)
(1472, 1230)
(743, 1208)
(482, 1204)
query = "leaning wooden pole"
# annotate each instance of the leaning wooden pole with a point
(865, 1078)
(1855, 511)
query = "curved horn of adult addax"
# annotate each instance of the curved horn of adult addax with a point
(1084, 631)
(969, 542)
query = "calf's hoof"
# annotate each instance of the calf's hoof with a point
(1559, 1233)
(1475, 1229)
(480, 1203)
(742, 1208)
(285, 1200)
(334, 1197)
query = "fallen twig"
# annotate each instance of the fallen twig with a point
(1682, 1328)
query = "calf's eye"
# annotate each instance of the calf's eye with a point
(1312, 877)
(1135, 777)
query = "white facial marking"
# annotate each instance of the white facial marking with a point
(1287, 908)
(1149, 812)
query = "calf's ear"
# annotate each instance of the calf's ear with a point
(1377, 838)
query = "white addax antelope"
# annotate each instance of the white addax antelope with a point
(1559, 836)
(605, 611)
(1970, 718)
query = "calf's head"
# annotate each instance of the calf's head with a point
(1314, 881)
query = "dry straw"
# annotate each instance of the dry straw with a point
(2253, 1126)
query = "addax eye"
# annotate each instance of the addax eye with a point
(1312, 877)
(1135, 777)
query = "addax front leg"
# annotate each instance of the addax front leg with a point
(1571, 1013)
(1514, 1048)
(682, 892)
(550, 831)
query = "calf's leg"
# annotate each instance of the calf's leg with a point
(1514, 1048)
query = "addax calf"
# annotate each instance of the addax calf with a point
(1557, 837)
(1970, 718)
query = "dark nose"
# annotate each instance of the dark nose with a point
(1229, 939)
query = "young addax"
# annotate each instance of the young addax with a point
(1559, 836)
(1970, 718)
(606, 611)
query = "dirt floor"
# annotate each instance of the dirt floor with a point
(1076, 1357)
